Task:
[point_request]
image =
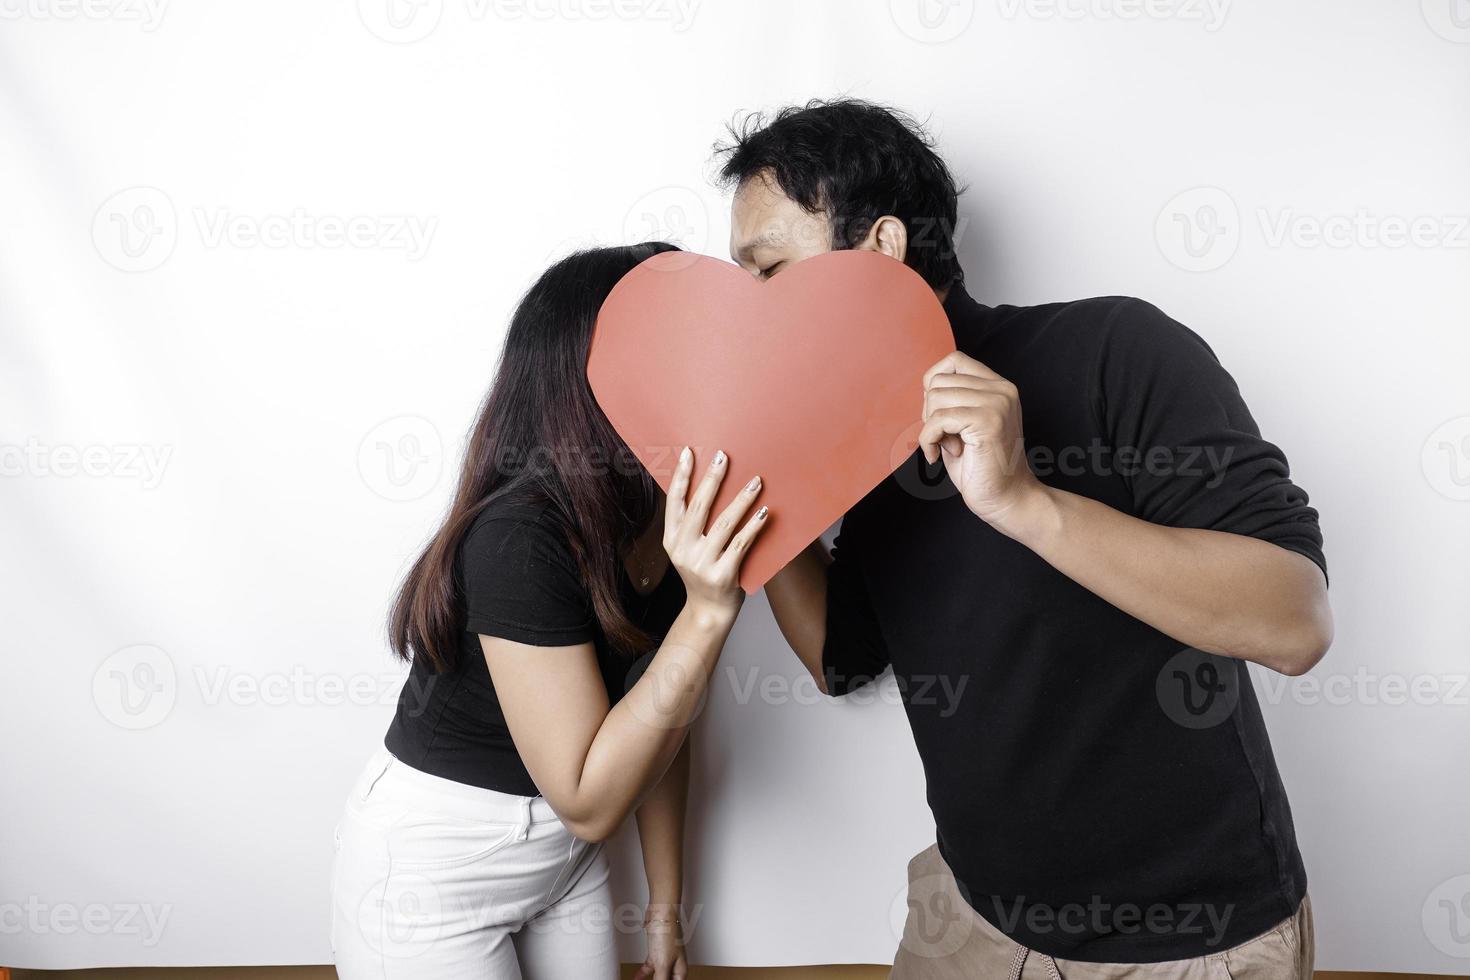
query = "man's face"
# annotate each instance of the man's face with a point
(769, 231)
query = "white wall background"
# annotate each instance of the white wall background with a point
(225, 431)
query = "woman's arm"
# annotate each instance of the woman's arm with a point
(594, 765)
(661, 833)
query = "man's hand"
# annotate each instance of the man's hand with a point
(972, 420)
(1214, 591)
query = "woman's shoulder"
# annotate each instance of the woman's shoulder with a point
(519, 577)
(522, 526)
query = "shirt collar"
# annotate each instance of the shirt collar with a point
(970, 321)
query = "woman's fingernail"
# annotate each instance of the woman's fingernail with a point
(684, 456)
(719, 459)
(760, 515)
(754, 484)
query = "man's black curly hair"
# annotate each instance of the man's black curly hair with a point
(854, 162)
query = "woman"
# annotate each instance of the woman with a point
(471, 844)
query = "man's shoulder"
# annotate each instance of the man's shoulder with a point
(1093, 313)
(1096, 325)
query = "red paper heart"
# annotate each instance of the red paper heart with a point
(812, 380)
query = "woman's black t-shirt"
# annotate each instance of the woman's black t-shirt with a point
(521, 583)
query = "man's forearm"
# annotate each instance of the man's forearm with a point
(798, 598)
(1221, 593)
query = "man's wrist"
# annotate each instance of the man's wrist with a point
(1032, 519)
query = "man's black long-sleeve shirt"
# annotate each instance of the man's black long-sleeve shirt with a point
(1101, 792)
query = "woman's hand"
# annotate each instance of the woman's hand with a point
(709, 561)
(665, 939)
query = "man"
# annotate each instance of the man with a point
(1091, 577)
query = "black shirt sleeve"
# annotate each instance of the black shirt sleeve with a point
(854, 652)
(1184, 440)
(521, 584)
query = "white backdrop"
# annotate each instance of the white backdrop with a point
(255, 263)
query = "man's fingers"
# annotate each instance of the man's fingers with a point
(971, 382)
(988, 394)
(724, 525)
(951, 380)
(954, 423)
(957, 363)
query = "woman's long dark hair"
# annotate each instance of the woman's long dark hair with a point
(541, 435)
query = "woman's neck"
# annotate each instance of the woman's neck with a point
(645, 560)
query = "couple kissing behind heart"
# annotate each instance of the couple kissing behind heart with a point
(1108, 767)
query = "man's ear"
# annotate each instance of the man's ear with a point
(889, 236)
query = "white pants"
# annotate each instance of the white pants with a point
(437, 880)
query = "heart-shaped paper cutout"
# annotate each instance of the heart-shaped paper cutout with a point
(814, 380)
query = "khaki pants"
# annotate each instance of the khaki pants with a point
(945, 939)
